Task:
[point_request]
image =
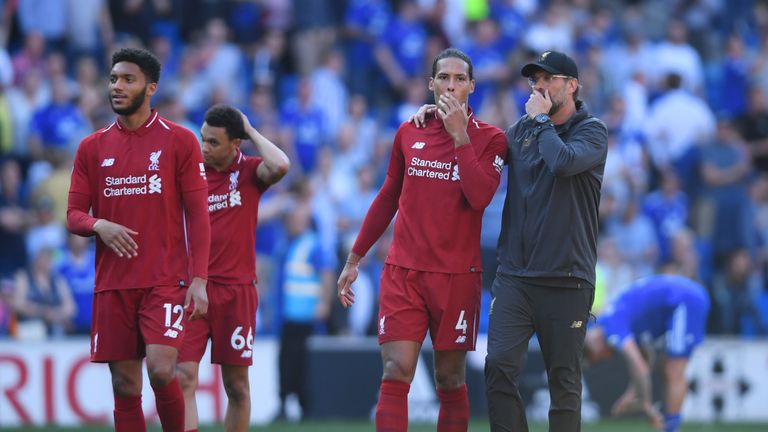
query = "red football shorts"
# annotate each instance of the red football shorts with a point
(125, 321)
(412, 301)
(230, 324)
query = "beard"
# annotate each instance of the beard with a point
(133, 106)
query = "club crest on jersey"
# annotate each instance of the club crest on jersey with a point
(233, 180)
(154, 160)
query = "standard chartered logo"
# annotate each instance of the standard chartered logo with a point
(433, 169)
(234, 198)
(222, 201)
(132, 185)
(155, 184)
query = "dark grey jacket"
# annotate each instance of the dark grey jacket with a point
(549, 227)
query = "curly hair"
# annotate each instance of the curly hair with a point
(145, 60)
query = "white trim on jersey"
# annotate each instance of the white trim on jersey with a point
(109, 127)
(163, 123)
(152, 121)
(186, 236)
(676, 334)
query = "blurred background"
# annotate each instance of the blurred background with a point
(681, 85)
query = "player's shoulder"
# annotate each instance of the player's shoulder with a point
(249, 162)
(483, 127)
(102, 134)
(180, 135)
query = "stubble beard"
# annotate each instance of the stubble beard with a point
(134, 106)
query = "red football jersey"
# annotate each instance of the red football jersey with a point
(233, 206)
(439, 193)
(136, 178)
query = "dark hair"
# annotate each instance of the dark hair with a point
(229, 118)
(145, 60)
(452, 52)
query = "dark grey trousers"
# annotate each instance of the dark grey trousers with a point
(559, 318)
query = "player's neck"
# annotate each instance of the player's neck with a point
(226, 163)
(136, 119)
(564, 113)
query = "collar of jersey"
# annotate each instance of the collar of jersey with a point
(144, 128)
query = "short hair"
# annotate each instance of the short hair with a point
(452, 52)
(145, 60)
(227, 117)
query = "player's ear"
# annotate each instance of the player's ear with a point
(431, 84)
(471, 86)
(151, 88)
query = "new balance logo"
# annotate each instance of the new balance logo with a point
(171, 333)
(246, 354)
(155, 184)
(461, 339)
(576, 324)
(108, 162)
(418, 145)
(381, 324)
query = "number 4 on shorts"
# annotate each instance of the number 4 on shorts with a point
(461, 324)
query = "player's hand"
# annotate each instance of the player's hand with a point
(348, 276)
(454, 116)
(117, 237)
(246, 123)
(538, 103)
(419, 119)
(197, 297)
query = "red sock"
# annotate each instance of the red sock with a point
(392, 409)
(454, 410)
(169, 401)
(128, 414)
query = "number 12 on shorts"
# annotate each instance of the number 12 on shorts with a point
(461, 324)
(175, 327)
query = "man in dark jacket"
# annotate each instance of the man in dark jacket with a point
(547, 247)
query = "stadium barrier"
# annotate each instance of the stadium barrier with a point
(54, 383)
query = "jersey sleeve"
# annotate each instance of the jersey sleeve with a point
(190, 169)
(196, 209)
(385, 204)
(79, 203)
(254, 166)
(480, 174)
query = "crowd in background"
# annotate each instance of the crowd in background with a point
(681, 84)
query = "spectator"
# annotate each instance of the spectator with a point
(42, 301)
(14, 219)
(76, 267)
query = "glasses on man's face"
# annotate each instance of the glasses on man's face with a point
(547, 79)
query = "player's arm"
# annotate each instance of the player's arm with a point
(190, 175)
(584, 150)
(478, 181)
(479, 176)
(116, 237)
(196, 210)
(376, 221)
(640, 375)
(275, 163)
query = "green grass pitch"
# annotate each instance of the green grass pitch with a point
(475, 426)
